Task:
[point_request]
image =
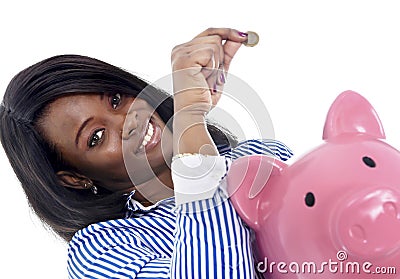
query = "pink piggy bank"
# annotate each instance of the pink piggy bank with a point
(333, 213)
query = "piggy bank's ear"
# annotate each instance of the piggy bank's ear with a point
(247, 178)
(352, 113)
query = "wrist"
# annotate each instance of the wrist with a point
(192, 103)
(191, 135)
(189, 115)
(192, 109)
(186, 120)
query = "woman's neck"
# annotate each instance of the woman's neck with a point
(156, 189)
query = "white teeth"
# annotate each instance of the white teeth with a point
(149, 134)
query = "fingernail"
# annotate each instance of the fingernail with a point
(222, 78)
(242, 34)
(214, 88)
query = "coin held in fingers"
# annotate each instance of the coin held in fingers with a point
(252, 39)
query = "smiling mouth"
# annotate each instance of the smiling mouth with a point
(149, 134)
(151, 137)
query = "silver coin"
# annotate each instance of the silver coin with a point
(252, 39)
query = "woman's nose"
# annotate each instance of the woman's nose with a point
(130, 125)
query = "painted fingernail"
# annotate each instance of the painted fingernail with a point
(214, 88)
(242, 34)
(222, 78)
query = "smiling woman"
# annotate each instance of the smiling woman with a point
(75, 129)
(95, 130)
(57, 133)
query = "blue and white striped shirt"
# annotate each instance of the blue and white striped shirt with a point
(198, 239)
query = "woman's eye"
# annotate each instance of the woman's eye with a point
(115, 100)
(96, 138)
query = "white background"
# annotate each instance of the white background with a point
(309, 52)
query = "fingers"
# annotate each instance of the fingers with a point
(233, 41)
(195, 67)
(226, 34)
(215, 97)
(212, 39)
(230, 49)
(209, 55)
(206, 59)
(202, 55)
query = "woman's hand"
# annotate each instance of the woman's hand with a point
(200, 66)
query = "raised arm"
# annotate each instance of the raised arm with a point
(199, 69)
(211, 240)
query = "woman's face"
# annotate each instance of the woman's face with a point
(103, 135)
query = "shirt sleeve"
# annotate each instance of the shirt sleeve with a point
(197, 177)
(120, 249)
(211, 240)
(267, 147)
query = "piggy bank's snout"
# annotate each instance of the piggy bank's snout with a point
(367, 224)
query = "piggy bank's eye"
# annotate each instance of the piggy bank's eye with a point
(369, 162)
(310, 199)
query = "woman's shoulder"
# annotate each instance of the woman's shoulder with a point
(138, 221)
(108, 233)
(269, 147)
(143, 236)
(106, 247)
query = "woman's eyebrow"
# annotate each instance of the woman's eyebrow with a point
(84, 124)
(78, 134)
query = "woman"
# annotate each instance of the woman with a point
(74, 127)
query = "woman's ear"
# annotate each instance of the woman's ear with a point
(74, 180)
